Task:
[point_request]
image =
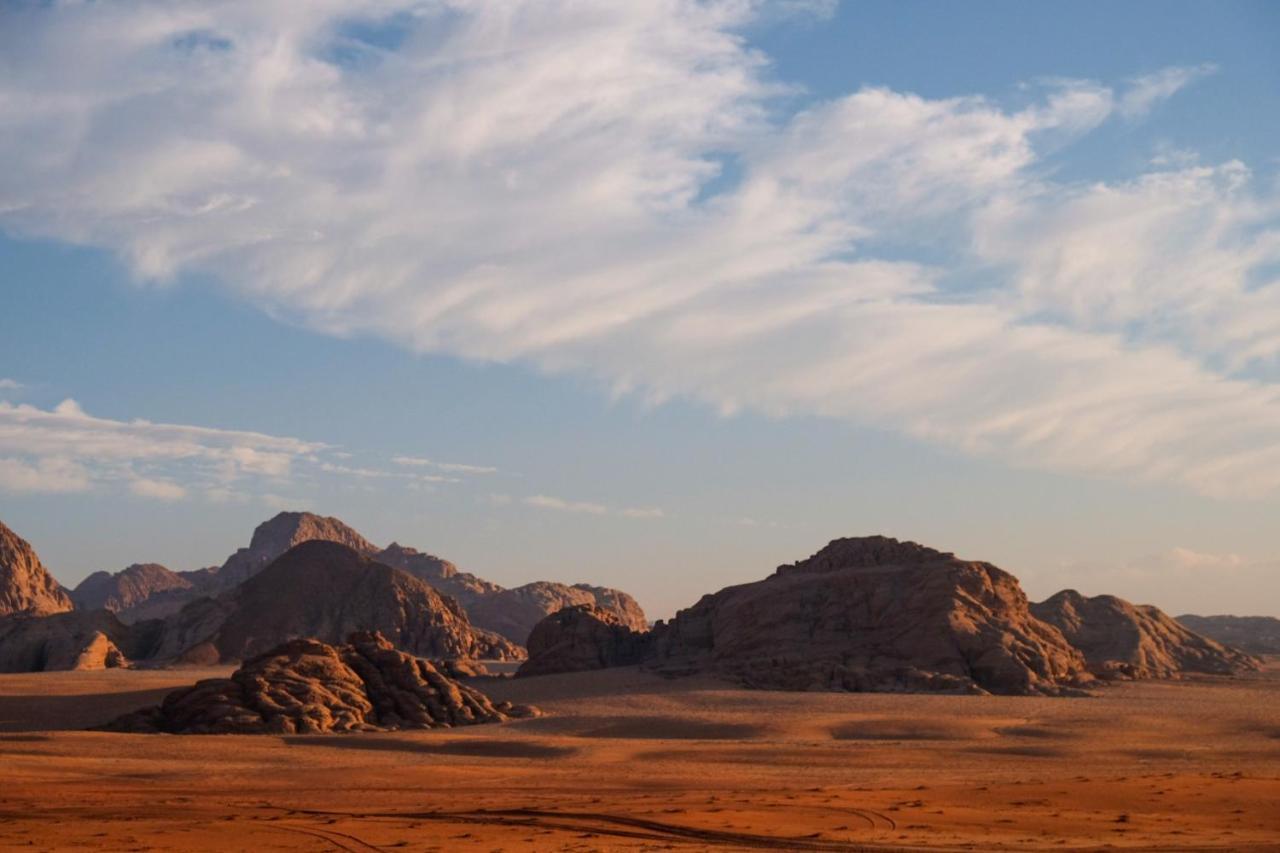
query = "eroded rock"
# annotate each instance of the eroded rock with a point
(306, 686)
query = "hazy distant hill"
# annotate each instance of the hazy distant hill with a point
(1258, 635)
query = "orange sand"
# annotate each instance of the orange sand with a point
(627, 761)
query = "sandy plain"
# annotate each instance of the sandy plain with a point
(628, 761)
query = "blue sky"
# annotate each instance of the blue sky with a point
(653, 297)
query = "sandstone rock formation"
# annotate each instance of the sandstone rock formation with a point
(874, 613)
(1256, 635)
(81, 639)
(142, 590)
(282, 532)
(1123, 640)
(583, 637)
(441, 574)
(150, 591)
(513, 613)
(305, 686)
(26, 587)
(326, 590)
(864, 614)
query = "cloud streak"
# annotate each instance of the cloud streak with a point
(65, 449)
(612, 190)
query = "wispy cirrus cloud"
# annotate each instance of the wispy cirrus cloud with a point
(583, 507)
(614, 192)
(454, 467)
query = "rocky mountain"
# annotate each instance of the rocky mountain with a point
(306, 686)
(80, 639)
(134, 592)
(1123, 640)
(584, 637)
(864, 614)
(513, 613)
(327, 590)
(150, 591)
(877, 614)
(439, 573)
(1257, 635)
(26, 587)
(280, 533)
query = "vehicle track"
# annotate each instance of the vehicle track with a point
(622, 826)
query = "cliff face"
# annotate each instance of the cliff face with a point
(26, 587)
(1123, 640)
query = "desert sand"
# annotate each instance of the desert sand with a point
(625, 760)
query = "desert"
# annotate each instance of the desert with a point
(488, 426)
(629, 760)
(963, 716)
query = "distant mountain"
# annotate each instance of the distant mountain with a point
(26, 587)
(440, 573)
(1257, 635)
(282, 532)
(1123, 640)
(135, 592)
(513, 613)
(150, 591)
(326, 590)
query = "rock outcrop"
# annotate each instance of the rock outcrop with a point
(441, 574)
(142, 590)
(277, 535)
(305, 686)
(151, 591)
(326, 590)
(81, 639)
(1123, 640)
(876, 614)
(863, 614)
(1256, 635)
(26, 587)
(583, 637)
(513, 613)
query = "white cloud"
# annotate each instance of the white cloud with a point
(584, 507)
(454, 467)
(49, 474)
(562, 505)
(66, 449)
(162, 490)
(1148, 90)
(642, 512)
(10, 384)
(537, 182)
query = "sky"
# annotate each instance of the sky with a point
(652, 295)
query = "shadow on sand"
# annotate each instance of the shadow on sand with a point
(471, 747)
